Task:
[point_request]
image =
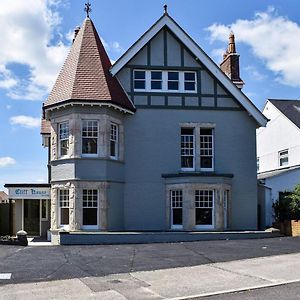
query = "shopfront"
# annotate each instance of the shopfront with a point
(29, 208)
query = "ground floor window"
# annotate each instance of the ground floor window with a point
(204, 208)
(90, 209)
(176, 208)
(64, 207)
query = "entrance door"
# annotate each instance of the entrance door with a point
(32, 217)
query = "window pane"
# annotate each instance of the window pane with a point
(173, 76)
(203, 216)
(64, 216)
(139, 84)
(139, 75)
(205, 131)
(189, 76)
(187, 131)
(189, 86)
(112, 148)
(156, 85)
(173, 85)
(177, 216)
(64, 146)
(206, 162)
(156, 75)
(90, 216)
(89, 146)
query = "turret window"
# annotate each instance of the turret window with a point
(114, 140)
(63, 139)
(89, 137)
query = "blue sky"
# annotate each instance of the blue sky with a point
(36, 36)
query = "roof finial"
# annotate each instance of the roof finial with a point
(165, 9)
(88, 9)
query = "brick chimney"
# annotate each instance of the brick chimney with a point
(231, 63)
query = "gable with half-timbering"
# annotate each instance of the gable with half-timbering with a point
(165, 74)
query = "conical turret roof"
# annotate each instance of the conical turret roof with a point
(85, 74)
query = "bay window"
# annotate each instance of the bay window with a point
(90, 209)
(89, 137)
(204, 208)
(176, 208)
(63, 139)
(114, 140)
(63, 197)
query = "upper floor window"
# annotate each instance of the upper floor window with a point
(190, 81)
(187, 149)
(156, 80)
(89, 137)
(114, 140)
(206, 149)
(139, 80)
(173, 81)
(165, 81)
(63, 138)
(283, 158)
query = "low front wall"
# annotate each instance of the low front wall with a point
(102, 238)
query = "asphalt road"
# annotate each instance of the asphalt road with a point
(281, 292)
(33, 264)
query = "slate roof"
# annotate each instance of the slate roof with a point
(276, 172)
(290, 108)
(45, 126)
(85, 75)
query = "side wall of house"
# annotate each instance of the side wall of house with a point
(268, 143)
(152, 137)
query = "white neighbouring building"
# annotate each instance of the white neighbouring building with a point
(278, 153)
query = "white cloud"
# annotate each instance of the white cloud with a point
(29, 37)
(6, 161)
(272, 38)
(25, 121)
(254, 73)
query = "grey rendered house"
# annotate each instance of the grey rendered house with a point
(162, 140)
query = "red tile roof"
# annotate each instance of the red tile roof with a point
(45, 127)
(85, 74)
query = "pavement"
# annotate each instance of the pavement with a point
(153, 271)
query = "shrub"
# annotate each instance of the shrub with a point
(287, 207)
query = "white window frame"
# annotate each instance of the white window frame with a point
(165, 82)
(194, 149)
(173, 194)
(97, 138)
(212, 149)
(64, 226)
(281, 156)
(91, 227)
(63, 139)
(172, 80)
(193, 81)
(211, 226)
(138, 79)
(115, 139)
(47, 212)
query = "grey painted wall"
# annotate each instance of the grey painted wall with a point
(137, 197)
(153, 148)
